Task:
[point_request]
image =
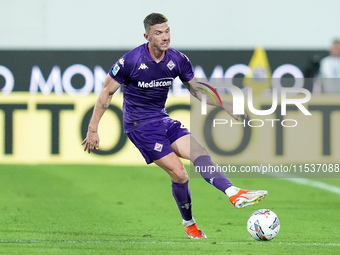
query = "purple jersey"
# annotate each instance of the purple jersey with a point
(146, 83)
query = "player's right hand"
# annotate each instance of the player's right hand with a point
(91, 142)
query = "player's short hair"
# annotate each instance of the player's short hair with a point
(153, 19)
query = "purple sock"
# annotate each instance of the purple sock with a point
(182, 195)
(211, 173)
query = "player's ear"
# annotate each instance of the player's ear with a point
(146, 36)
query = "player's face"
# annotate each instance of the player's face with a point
(159, 36)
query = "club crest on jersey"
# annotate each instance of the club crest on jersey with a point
(171, 65)
(115, 69)
(158, 147)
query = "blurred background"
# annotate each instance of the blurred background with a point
(54, 56)
(104, 24)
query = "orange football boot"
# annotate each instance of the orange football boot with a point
(248, 197)
(194, 232)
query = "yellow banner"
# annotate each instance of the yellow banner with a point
(275, 138)
(50, 129)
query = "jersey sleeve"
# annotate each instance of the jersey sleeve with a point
(120, 70)
(186, 69)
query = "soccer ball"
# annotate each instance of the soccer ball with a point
(263, 225)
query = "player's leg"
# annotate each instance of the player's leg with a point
(174, 167)
(181, 192)
(188, 147)
(152, 141)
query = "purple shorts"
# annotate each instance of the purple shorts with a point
(154, 139)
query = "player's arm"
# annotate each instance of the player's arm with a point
(110, 86)
(193, 86)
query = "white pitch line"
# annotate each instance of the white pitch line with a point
(169, 242)
(316, 184)
(307, 182)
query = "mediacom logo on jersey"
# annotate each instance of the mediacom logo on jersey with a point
(155, 83)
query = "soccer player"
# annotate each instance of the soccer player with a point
(146, 74)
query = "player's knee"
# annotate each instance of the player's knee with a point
(180, 175)
(204, 151)
(198, 151)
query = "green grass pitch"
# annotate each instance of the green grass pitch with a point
(91, 209)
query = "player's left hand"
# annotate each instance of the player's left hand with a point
(229, 108)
